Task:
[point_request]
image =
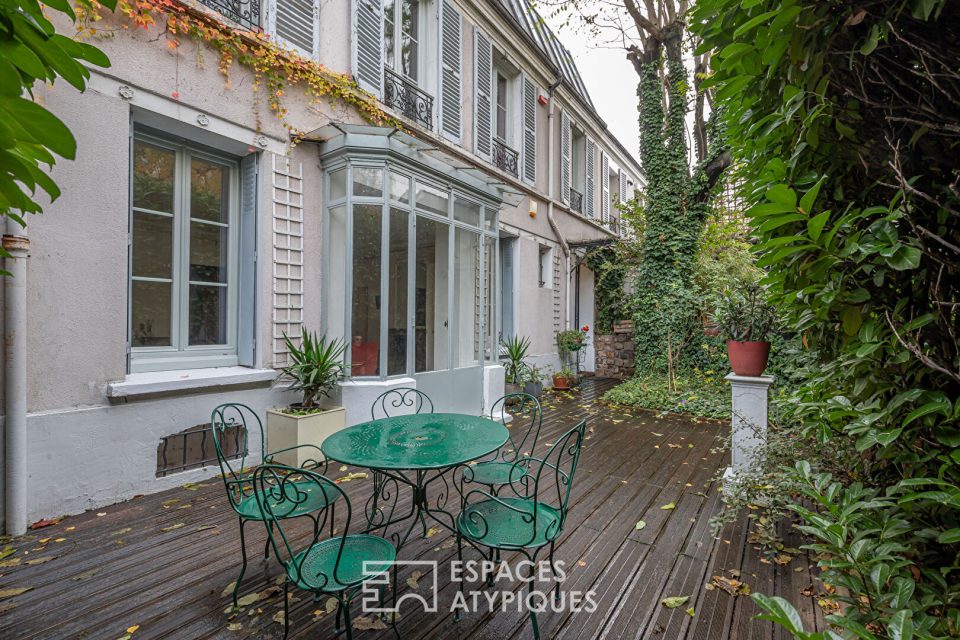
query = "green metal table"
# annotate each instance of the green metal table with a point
(417, 451)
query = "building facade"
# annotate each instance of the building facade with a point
(192, 235)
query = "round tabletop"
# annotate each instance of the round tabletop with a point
(421, 441)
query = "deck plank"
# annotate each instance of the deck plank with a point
(162, 561)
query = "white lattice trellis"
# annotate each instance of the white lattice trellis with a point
(287, 195)
(556, 294)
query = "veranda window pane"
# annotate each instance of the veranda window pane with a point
(397, 293)
(153, 175)
(466, 211)
(399, 188)
(208, 252)
(368, 182)
(150, 313)
(209, 189)
(430, 310)
(432, 200)
(489, 288)
(336, 273)
(338, 185)
(489, 218)
(208, 314)
(466, 299)
(365, 331)
(152, 245)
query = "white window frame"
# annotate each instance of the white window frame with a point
(545, 266)
(397, 65)
(180, 355)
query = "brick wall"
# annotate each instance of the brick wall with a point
(615, 352)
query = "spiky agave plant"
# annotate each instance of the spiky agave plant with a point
(316, 366)
(515, 353)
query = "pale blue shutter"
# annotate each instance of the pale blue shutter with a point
(564, 157)
(247, 285)
(451, 104)
(296, 23)
(588, 195)
(529, 131)
(368, 45)
(483, 94)
(604, 187)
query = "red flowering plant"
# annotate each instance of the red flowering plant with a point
(573, 340)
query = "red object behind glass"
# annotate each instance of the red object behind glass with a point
(364, 358)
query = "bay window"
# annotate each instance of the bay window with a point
(409, 272)
(183, 256)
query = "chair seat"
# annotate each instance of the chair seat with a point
(507, 523)
(316, 564)
(301, 498)
(495, 473)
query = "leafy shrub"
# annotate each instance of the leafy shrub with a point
(842, 119)
(698, 393)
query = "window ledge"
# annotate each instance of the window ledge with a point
(138, 384)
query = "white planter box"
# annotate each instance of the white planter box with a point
(285, 430)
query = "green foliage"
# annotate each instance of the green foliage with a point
(745, 315)
(316, 366)
(515, 355)
(842, 119)
(697, 393)
(610, 266)
(725, 261)
(571, 340)
(31, 51)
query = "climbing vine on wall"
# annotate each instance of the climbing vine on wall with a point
(273, 67)
(610, 269)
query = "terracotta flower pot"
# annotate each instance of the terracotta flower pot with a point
(560, 382)
(748, 358)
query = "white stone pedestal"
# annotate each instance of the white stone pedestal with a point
(748, 422)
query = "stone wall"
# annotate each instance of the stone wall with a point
(615, 352)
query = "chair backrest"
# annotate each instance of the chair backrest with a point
(235, 421)
(548, 480)
(393, 401)
(281, 491)
(525, 427)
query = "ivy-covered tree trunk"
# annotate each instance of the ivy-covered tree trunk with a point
(675, 207)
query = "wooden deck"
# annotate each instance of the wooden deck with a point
(162, 562)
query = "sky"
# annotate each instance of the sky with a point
(611, 81)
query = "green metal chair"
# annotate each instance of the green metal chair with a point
(241, 420)
(527, 419)
(392, 401)
(338, 565)
(532, 515)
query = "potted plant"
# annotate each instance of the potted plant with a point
(746, 320)
(563, 379)
(315, 369)
(514, 364)
(533, 378)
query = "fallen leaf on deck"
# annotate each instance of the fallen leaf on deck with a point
(331, 605)
(41, 560)
(9, 593)
(12, 562)
(86, 574)
(172, 527)
(101, 514)
(343, 467)
(122, 531)
(690, 612)
(278, 617)
(670, 506)
(60, 540)
(133, 629)
(412, 581)
(731, 586)
(39, 524)
(316, 613)
(640, 525)
(432, 531)
(351, 476)
(659, 435)
(581, 563)
(7, 551)
(674, 601)
(673, 446)
(782, 559)
(234, 626)
(69, 528)
(248, 599)
(363, 623)
(9, 606)
(228, 589)
(205, 527)
(166, 504)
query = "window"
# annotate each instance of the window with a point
(183, 257)
(415, 264)
(546, 267)
(401, 36)
(501, 132)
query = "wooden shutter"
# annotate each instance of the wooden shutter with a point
(529, 131)
(604, 187)
(590, 177)
(564, 157)
(623, 186)
(450, 71)
(247, 302)
(483, 94)
(296, 23)
(368, 45)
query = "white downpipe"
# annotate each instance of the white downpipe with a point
(17, 244)
(550, 191)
